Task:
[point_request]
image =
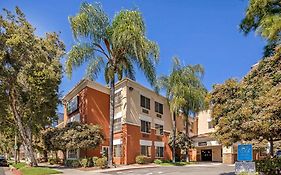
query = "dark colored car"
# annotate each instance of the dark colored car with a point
(3, 161)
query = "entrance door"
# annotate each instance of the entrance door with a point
(206, 155)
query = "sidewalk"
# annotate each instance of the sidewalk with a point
(73, 171)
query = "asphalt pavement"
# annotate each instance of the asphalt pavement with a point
(202, 169)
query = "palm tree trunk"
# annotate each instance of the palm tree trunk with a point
(111, 123)
(187, 134)
(174, 137)
(25, 132)
(271, 147)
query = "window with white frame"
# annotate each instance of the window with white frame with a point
(158, 107)
(118, 98)
(117, 124)
(145, 126)
(158, 129)
(146, 150)
(72, 154)
(117, 150)
(145, 102)
(159, 151)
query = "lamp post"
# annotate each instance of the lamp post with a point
(174, 137)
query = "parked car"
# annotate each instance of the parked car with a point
(3, 161)
(278, 154)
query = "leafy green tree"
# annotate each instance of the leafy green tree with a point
(30, 74)
(250, 109)
(264, 17)
(182, 142)
(185, 92)
(73, 136)
(114, 47)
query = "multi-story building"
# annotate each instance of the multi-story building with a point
(207, 148)
(142, 122)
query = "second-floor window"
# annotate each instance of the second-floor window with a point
(117, 125)
(158, 129)
(159, 107)
(210, 125)
(72, 105)
(145, 102)
(145, 126)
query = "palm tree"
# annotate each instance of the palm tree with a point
(185, 92)
(113, 47)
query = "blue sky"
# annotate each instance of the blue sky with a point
(198, 32)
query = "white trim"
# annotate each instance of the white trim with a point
(77, 155)
(145, 118)
(159, 122)
(117, 142)
(145, 143)
(159, 144)
(118, 115)
(118, 90)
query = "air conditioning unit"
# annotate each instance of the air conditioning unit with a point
(145, 111)
(159, 115)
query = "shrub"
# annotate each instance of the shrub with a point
(157, 161)
(269, 166)
(72, 163)
(94, 160)
(101, 162)
(84, 162)
(53, 161)
(142, 159)
(19, 165)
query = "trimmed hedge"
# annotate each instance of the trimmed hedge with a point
(72, 163)
(158, 161)
(101, 162)
(269, 166)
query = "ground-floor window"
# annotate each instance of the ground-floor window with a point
(146, 150)
(72, 154)
(117, 150)
(159, 151)
(104, 151)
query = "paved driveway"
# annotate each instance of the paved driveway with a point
(201, 169)
(2, 171)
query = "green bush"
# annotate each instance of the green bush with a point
(84, 162)
(53, 161)
(157, 161)
(142, 159)
(269, 166)
(72, 163)
(101, 162)
(94, 160)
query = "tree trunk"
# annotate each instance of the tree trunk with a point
(174, 137)
(25, 132)
(15, 148)
(111, 123)
(187, 134)
(64, 156)
(271, 147)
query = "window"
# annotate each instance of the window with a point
(117, 150)
(210, 125)
(158, 129)
(145, 126)
(117, 125)
(159, 151)
(72, 105)
(72, 154)
(146, 150)
(104, 151)
(145, 102)
(159, 107)
(118, 98)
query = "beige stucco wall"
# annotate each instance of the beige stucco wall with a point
(203, 118)
(133, 109)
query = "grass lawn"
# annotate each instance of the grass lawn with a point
(25, 170)
(38, 171)
(175, 164)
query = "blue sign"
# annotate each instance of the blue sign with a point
(245, 152)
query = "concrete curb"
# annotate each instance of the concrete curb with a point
(124, 168)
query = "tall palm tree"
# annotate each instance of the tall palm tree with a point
(113, 47)
(185, 92)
